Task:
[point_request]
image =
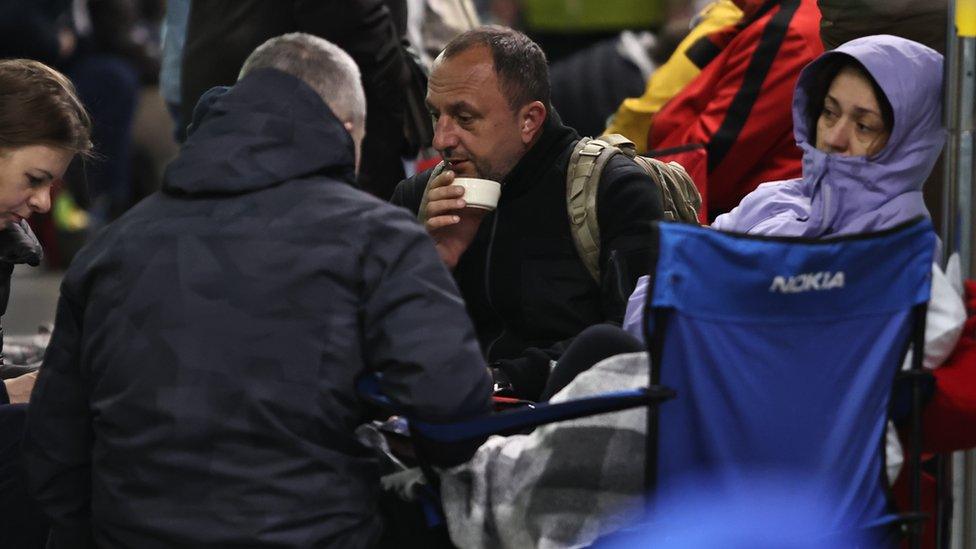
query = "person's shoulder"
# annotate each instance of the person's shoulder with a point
(369, 224)
(767, 207)
(383, 221)
(622, 172)
(410, 191)
(626, 187)
(417, 181)
(107, 245)
(359, 207)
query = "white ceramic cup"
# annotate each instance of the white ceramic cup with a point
(479, 193)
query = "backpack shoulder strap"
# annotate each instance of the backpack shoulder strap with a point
(422, 210)
(582, 182)
(679, 196)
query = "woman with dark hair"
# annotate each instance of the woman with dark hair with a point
(868, 118)
(846, 75)
(43, 126)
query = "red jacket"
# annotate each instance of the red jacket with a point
(949, 418)
(740, 106)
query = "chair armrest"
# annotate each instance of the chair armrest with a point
(515, 421)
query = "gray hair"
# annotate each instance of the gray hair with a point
(325, 67)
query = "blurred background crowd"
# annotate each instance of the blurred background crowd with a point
(126, 59)
(140, 66)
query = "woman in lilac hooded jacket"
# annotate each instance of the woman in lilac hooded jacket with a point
(863, 173)
(868, 117)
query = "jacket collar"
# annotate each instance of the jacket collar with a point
(539, 158)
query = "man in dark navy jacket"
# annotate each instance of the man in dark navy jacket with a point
(198, 390)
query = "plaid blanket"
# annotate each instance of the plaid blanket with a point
(563, 485)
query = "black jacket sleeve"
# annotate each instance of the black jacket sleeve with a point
(58, 440)
(410, 192)
(628, 203)
(417, 333)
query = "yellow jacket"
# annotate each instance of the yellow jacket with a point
(633, 118)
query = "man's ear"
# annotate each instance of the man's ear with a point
(531, 118)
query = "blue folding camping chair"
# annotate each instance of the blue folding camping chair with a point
(783, 353)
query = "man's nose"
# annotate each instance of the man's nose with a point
(40, 200)
(445, 136)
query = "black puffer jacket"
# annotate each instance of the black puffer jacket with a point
(198, 388)
(524, 284)
(17, 245)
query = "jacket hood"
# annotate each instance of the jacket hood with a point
(847, 194)
(268, 128)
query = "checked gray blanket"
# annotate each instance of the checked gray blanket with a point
(563, 485)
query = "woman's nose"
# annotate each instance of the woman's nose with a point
(40, 199)
(838, 137)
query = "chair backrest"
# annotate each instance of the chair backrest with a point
(782, 352)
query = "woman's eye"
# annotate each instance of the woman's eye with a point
(866, 129)
(829, 114)
(35, 181)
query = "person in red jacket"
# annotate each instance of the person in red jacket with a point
(732, 126)
(948, 418)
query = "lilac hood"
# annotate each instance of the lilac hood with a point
(843, 195)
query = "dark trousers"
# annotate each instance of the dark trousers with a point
(109, 87)
(591, 346)
(222, 33)
(22, 525)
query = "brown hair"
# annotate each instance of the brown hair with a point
(520, 63)
(39, 106)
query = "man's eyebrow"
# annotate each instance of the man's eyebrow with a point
(454, 108)
(462, 105)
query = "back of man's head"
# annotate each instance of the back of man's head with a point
(325, 67)
(519, 63)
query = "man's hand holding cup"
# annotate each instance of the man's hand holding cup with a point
(454, 210)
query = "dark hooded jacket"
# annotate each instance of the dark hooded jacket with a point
(523, 281)
(198, 390)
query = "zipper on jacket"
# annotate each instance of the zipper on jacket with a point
(491, 244)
